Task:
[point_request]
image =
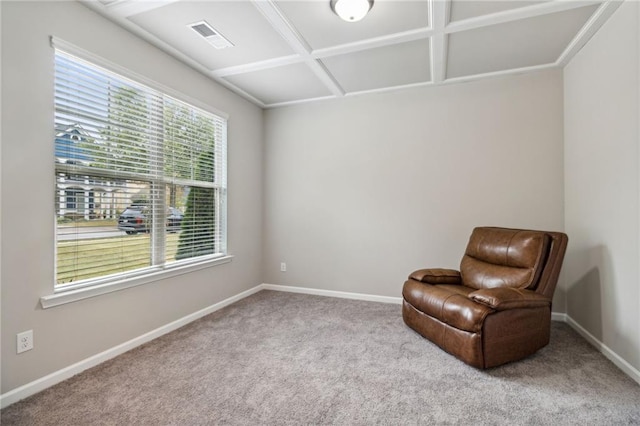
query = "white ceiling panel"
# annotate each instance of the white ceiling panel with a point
(290, 51)
(461, 9)
(389, 66)
(282, 84)
(239, 21)
(321, 28)
(512, 45)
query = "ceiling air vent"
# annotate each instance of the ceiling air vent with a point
(211, 35)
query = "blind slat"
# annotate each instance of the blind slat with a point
(140, 176)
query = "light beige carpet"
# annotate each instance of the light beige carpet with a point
(282, 358)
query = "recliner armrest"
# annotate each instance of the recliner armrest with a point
(504, 298)
(437, 276)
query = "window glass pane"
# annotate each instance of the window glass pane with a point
(140, 176)
(198, 233)
(94, 233)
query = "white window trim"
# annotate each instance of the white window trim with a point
(66, 295)
(69, 294)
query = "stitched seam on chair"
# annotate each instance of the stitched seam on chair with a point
(543, 279)
(443, 334)
(496, 264)
(485, 317)
(440, 335)
(507, 254)
(442, 307)
(506, 260)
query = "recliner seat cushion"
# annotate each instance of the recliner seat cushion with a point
(447, 303)
(497, 257)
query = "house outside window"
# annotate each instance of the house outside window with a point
(140, 178)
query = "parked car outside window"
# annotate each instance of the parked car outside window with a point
(136, 219)
(174, 219)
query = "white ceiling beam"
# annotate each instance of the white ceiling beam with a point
(299, 45)
(516, 14)
(127, 8)
(438, 33)
(438, 48)
(355, 94)
(299, 101)
(279, 23)
(326, 77)
(463, 79)
(438, 57)
(493, 74)
(239, 91)
(258, 66)
(390, 88)
(588, 30)
(372, 43)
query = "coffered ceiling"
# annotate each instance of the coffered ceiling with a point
(290, 51)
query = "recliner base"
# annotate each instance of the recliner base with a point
(505, 336)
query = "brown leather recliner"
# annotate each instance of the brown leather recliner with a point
(497, 308)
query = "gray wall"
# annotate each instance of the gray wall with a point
(67, 334)
(361, 191)
(602, 168)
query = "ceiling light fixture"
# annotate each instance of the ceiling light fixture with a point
(351, 10)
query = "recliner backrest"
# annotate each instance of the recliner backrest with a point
(500, 257)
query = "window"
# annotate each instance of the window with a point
(75, 199)
(140, 178)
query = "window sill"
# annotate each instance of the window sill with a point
(64, 296)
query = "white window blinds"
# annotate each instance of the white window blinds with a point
(140, 177)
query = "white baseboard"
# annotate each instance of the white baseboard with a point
(332, 293)
(38, 385)
(616, 359)
(56, 377)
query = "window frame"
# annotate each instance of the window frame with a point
(106, 284)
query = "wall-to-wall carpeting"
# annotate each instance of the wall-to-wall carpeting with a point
(284, 358)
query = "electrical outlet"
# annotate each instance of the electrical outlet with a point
(25, 341)
(283, 267)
